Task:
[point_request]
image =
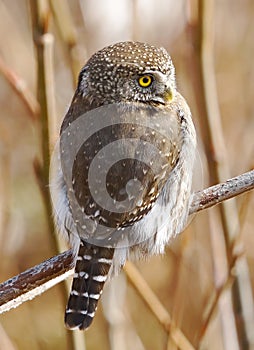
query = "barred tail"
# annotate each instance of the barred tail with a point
(91, 271)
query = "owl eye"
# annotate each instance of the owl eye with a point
(145, 81)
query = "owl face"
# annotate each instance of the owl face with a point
(129, 71)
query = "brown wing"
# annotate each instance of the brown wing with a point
(120, 169)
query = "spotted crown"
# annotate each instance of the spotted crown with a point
(107, 70)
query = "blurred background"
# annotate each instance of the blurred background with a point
(189, 277)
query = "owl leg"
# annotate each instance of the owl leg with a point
(91, 272)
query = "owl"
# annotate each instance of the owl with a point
(127, 150)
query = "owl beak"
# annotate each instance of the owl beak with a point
(168, 94)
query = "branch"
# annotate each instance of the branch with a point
(20, 87)
(237, 311)
(35, 281)
(40, 278)
(218, 193)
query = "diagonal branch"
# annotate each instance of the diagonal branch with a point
(25, 286)
(218, 193)
(19, 85)
(39, 278)
(35, 281)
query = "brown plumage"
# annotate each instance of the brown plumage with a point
(127, 151)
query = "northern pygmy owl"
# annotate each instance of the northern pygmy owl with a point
(127, 149)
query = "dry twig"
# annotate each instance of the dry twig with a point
(239, 304)
(48, 123)
(64, 22)
(19, 85)
(38, 279)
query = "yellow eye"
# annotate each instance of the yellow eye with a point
(145, 81)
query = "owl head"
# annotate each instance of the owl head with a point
(128, 72)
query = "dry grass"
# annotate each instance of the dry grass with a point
(193, 283)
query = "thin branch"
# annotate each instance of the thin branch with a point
(218, 193)
(227, 285)
(156, 307)
(20, 86)
(40, 15)
(35, 281)
(65, 25)
(44, 42)
(57, 265)
(240, 302)
(38, 279)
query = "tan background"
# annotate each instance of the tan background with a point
(184, 279)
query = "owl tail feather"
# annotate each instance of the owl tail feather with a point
(91, 271)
